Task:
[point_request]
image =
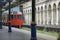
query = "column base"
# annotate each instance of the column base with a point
(9, 28)
(33, 38)
(33, 31)
(56, 23)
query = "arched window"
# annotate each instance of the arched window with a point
(45, 14)
(41, 14)
(54, 13)
(59, 13)
(49, 14)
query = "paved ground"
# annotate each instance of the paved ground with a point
(19, 34)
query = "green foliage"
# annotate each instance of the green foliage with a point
(25, 28)
(44, 29)
(42, 32)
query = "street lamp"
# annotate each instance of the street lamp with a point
(33, 24)
(9, 28)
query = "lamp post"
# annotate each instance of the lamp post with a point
(33, 23)
(9, 28)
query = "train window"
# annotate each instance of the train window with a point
(14, 17)
(19, 17)
(11, 17)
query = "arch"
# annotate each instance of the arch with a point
(49, 7)
(59, 5)
(54, 6)
(41, 8)
(45, 7)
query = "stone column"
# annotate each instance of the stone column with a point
(28, 17)
(40, 17)
(57, 17)
(52, 17)
(36, 17)
(43, 17)
(47, 17)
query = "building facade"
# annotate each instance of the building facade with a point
(47, 13)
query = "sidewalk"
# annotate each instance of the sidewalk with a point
(25, 33)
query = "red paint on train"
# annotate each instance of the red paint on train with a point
(15, 19)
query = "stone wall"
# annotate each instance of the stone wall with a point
(47, 13)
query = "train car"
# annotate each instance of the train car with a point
(16, 20)
(16, 16)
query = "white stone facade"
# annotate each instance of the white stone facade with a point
(47, 12)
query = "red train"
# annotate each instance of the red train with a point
(15, 20)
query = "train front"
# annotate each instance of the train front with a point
(16, 19)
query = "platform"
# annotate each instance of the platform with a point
(19, 34)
